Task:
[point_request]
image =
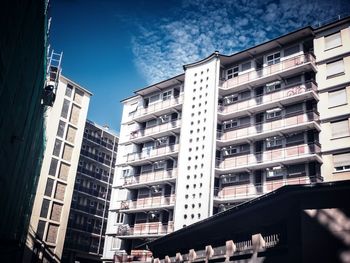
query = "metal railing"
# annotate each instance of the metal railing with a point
(279, 154)
(250, 190)
(155, 129)
(155, 228)
(157, 106)
(275, 96)
(270, 70)
(148, 202)
(151, 176)
(152, 152)
(265, 126)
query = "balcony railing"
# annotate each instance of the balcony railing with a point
(268, 98)
(157, 106)
(275, 155)
(270, 70)
(155, 129)
(98, 141)
(251, 191)
(144, 229)
(88, 209)
(90, 191)
(267, 126)
(150, 177)
(93, 174)
(149, 153)
(148, 202)
(98, 158)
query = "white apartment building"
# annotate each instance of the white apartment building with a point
(65, 122)
(229, 129)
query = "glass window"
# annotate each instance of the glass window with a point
(60, 130)
(270, 87)
(167, 95)
(275, 171)
(340, 128)
(341, 162)
(332, 41)
(294, 108)
(245, 95)
(232, 72)
(57, 147)
(65, 108)
(296, 169)
(71, 132)
(337, 98)
(44, 208)
(335, 68)
(293, 80)
(273, 58)
(69, 90)
(74, 116)
(78, 96)
(151, 123)
(133, 108)
(246, 66)
(295, 138)
(53, 167)
(154, 98)
(273, 142)
(273, 113)
(291, 50)
(41, 229)
(230, 99)
(49, 187)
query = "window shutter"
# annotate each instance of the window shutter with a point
(335, 67)
(336, 98)
(340, 128)
(340, 160)
(333, 40)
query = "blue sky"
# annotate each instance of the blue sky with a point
(113, 47)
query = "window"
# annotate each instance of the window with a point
(151, 123)
(273, 58)
(291, 50)
(230, 124)
(335, 68)
(65, 108)
(273, 142)
(337, 98)
(293, 80)
(74, 116)
(167, 95)
(69, 90)
(160, 165)
(246, 66)
(133, 108)
(143, 192)
(44, 208)
(57, 147)
(153, 98)
(273, 113)
(165, 118)
(270, 87)
(293, 108)
(49, 187)
(341, 162)
(78, 96)
(60, 129)
(295, 138)
(340, 128)
(146, 168)
(115, 243)
(53, 167)
(41, 229)
(230, 99)
(233, 178)
(232, 72)
(275, 171)
(162, 141)
(296, 169)
(332, 41)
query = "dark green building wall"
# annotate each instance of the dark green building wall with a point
(22, 74)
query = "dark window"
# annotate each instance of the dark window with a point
(65, 107)
(60, 130)
(291, 50)
(41, 229)
(57, 147)
(53, 167)
(69, 90)
(294, 108)
(44, 208)
(49, 187)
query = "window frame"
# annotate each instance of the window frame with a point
(274, 60)
(234, 73)
(326, 48)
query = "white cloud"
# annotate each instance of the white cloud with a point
(202, 26)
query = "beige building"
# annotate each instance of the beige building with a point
(332, 51)
(65, 124)
(230, 129)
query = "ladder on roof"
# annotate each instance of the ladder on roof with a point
(53, 72)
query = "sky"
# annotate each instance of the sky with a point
(114, 47)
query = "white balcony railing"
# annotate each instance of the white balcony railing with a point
(247, 191)
(287, 64)
(268, 126)
(152, 152)
(145, 229)
(148, 202)
(276, 96)
(155, 129)
(149, 177)
(158, 106)
(269, 156)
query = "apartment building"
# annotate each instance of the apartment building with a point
(231, 128)
(92, 192)
(65, 122)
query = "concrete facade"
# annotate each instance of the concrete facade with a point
(65, 123)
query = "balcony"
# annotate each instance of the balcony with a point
(87, 209)
(148, 230)
(159, 108)
(286, 67)
(147, 203)
(148, 155)
(99, 141)
(286, 155)
(248, 191)
(93, 174)
(97, 158)
(149, 178)
(292, 123)
(157, 130)
(263, 102)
